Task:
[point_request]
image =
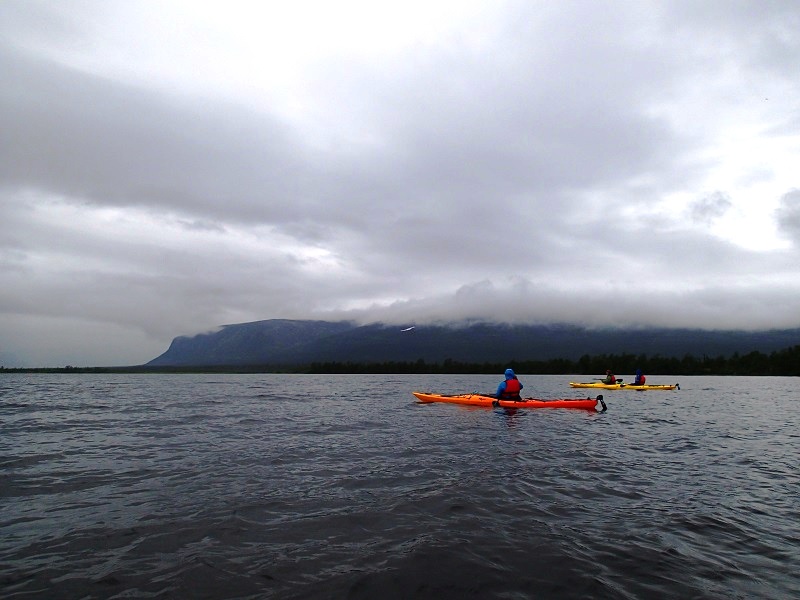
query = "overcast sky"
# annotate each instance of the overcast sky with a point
(169, 167)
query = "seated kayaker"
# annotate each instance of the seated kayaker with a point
(639, 379)
(510, 388)
(609, 378)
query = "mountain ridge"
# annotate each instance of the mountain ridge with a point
(296, 342)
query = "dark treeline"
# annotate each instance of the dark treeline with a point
(784, 362)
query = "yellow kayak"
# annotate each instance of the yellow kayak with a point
(623, 386)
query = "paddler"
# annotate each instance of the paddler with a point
(509, 388)
(609, 378)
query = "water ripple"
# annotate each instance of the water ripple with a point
(267, 486)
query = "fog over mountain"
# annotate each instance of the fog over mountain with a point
(285, 342)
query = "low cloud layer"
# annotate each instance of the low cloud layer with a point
(165, 170)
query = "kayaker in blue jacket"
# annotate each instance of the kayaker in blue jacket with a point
(510, 388)
(639, 379)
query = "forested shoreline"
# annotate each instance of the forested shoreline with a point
(784, 362)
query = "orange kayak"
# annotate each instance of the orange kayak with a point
(481, 400)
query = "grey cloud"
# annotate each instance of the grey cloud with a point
(601, 305)
(75, 134)
(764, 35)
(509, 178)
(788, 215)
(709, 208)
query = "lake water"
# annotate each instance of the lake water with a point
(301, 486)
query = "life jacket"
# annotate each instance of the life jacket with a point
(640, 380)
(513, 386)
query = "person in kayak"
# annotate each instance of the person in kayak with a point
(509, 388)
(609, 377)
(639, 379)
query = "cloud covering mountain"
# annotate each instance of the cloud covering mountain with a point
(281, 343)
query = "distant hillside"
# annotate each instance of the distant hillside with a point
(287, 342)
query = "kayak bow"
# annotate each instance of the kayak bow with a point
(482, 400)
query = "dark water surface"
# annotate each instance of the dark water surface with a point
(300, 486)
